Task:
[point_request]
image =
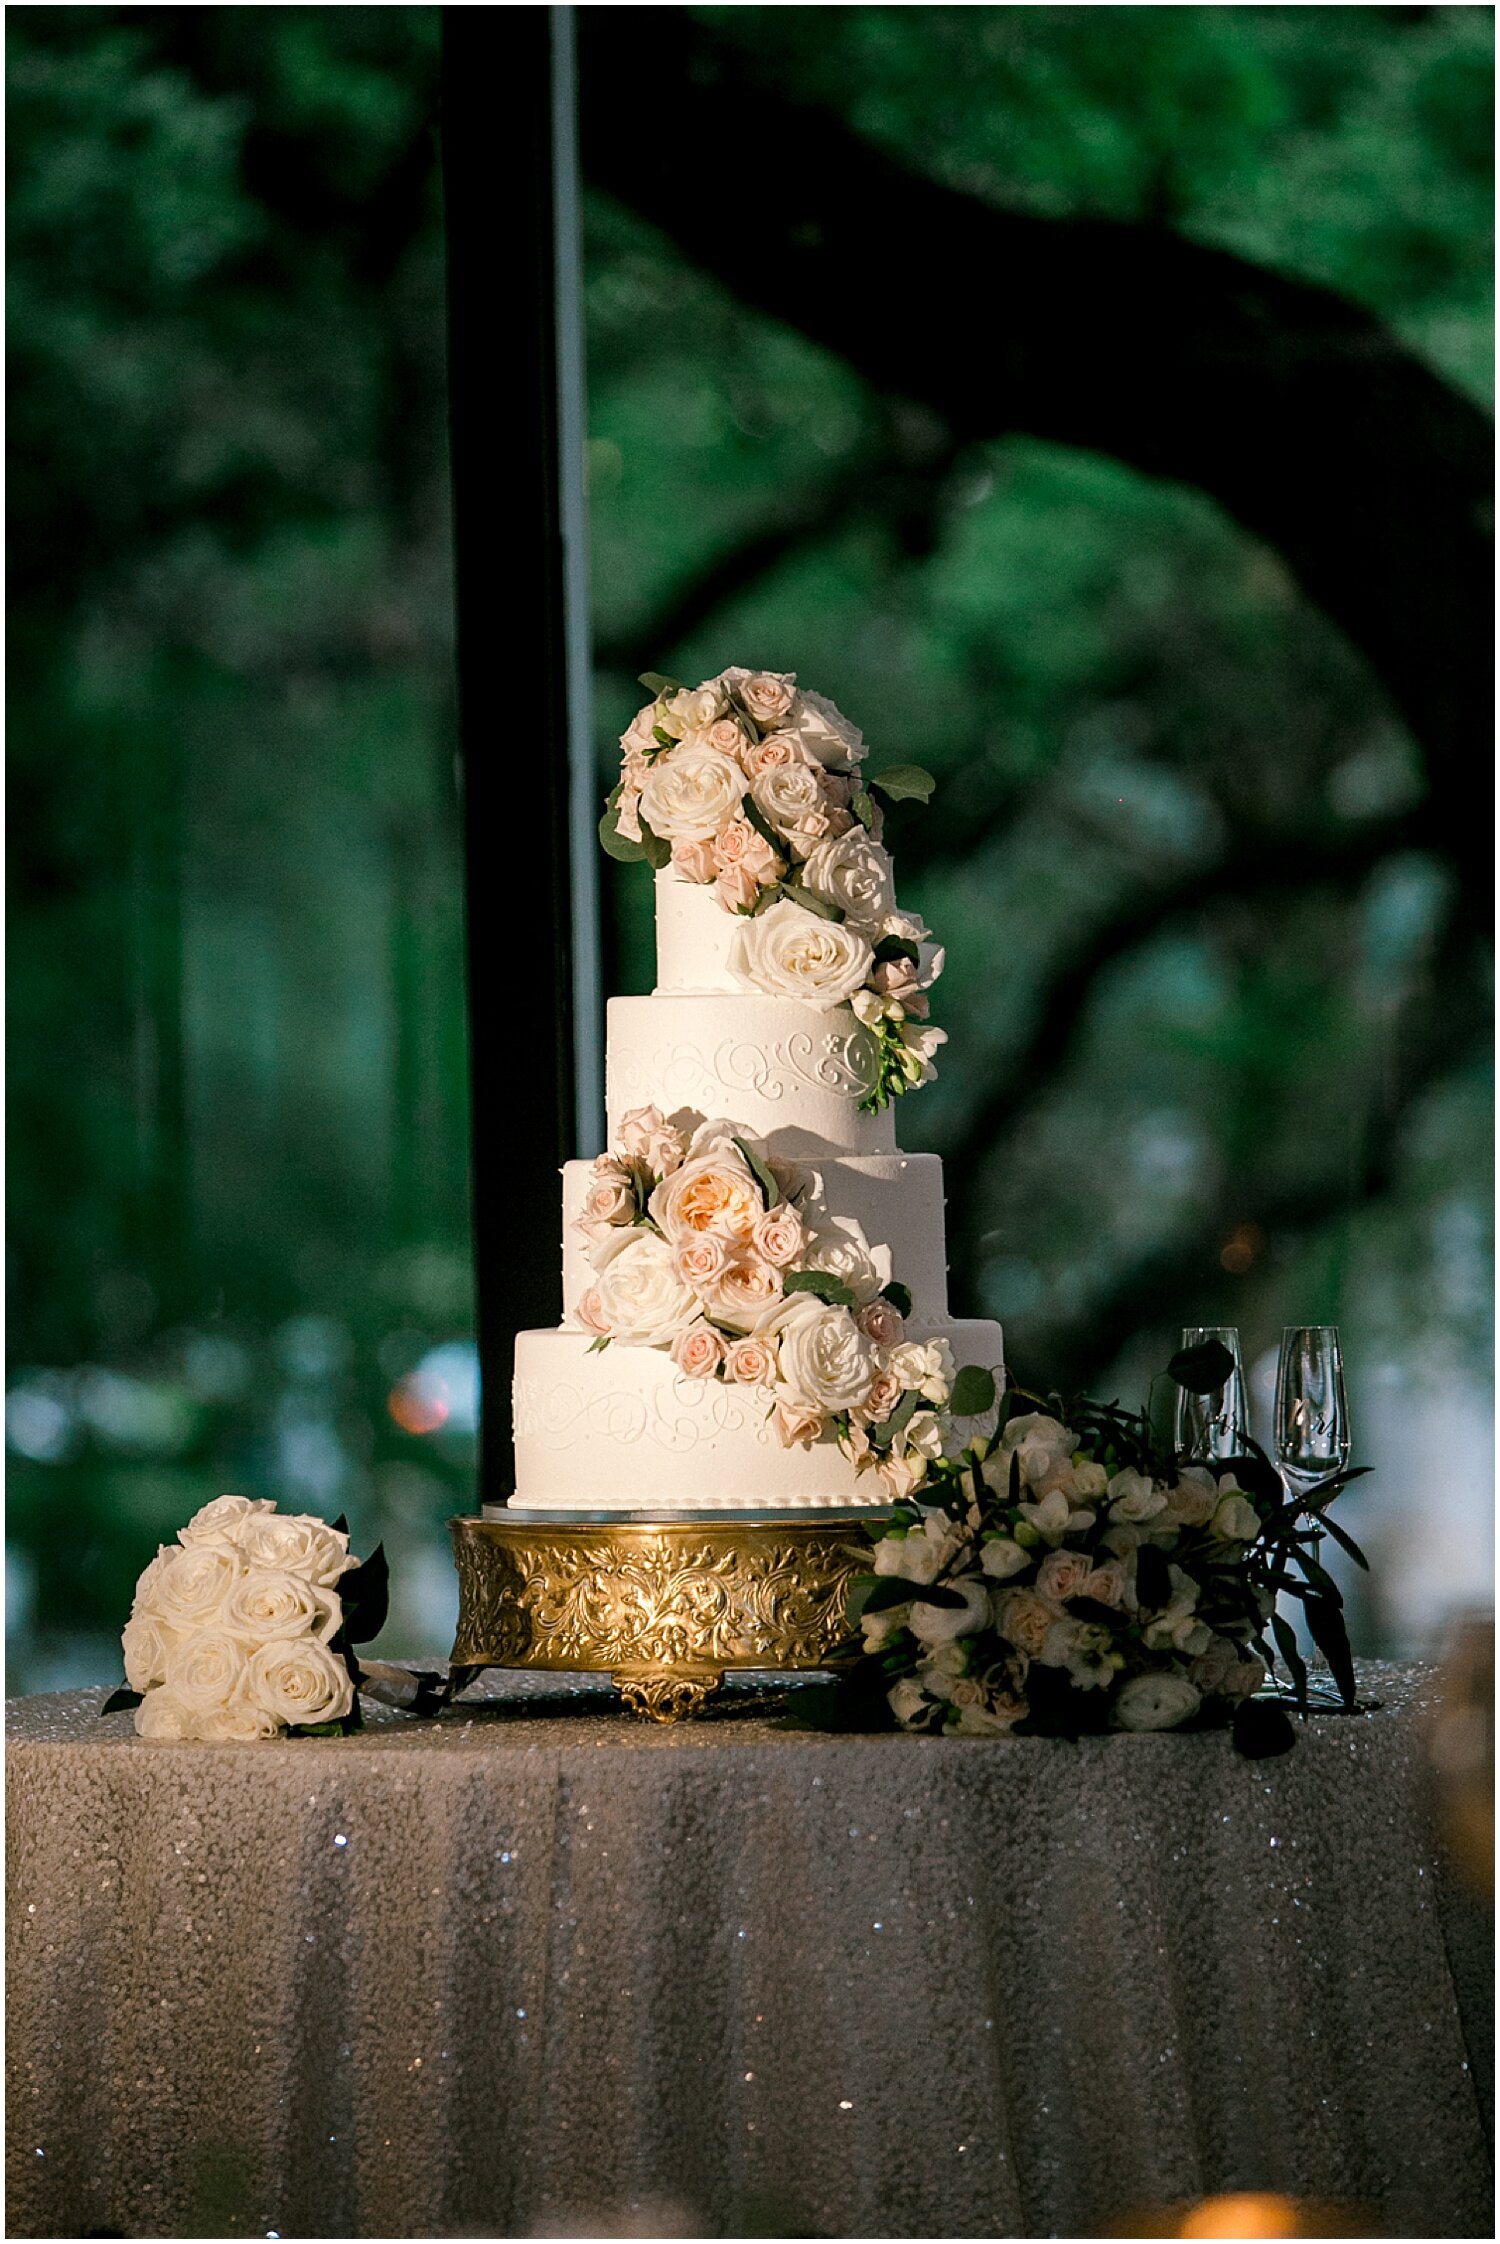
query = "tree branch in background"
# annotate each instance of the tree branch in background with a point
(1295, 409)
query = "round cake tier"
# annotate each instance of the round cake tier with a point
(623, 1430)
(896, 1199)
(786, 1071)
(693, 937)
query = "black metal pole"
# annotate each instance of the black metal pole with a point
(498, 133)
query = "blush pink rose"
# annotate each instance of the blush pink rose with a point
(752, 1362)
(648, 1137)
(796, 1422)
(767, 696)
(1106, 1583)
(728, 736)
(778, 1236)
(738, 843)
(701, 1257)
(882, 1321)
(607, 1202)
(885, 1393)
(743, 1293)
(1064, 1574)
(590, 1312)
(698, 1351)
(736, 889)
(694, 860)
(776, 750)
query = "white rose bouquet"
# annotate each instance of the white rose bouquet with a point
(1070, 1574)
(751, 785)
(245, 1627)
(703, 1245)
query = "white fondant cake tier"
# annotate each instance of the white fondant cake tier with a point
(785, 1071)
(693, 937)
(623, 1430)
(896, 1198)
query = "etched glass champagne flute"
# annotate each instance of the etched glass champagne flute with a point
(1216, 1424)
(1312, 1414)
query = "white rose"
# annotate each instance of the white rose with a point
(204, 1668)
(1002, 1558)
(700, 706)
(1155, 1702)
(1236, 1519)
(907, 1699)
(1133, 1497)
(642, 1296)
(995, 1719)
(825, 732)
(940, 1624)
(269, 1604)
(146, 1643)
(854, 873)
(825, 1360)
(689, 794)
(300, 1682)
(220, 1521)
(789, 952)
(161, 1715)
(192, 1585)
(297, 1543)
(840, 1249)
(788, 796)
(240, 1722)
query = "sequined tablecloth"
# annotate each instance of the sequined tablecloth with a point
(538, 1968)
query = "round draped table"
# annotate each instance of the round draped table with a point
(535, 1968)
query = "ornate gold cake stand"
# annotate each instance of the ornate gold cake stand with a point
(663, 1606)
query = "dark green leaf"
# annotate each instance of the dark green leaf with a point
(1153, 1584)
(822, 1283)
(118, 1701)
(884, 1434)
(1095, 1609)
(973, 1392)
(366, 1592)
(1326, 1624)
(819, 906)
(898, 1296)
(340, 1526)
(656, 684)
(1320, 1578)
(656, 852)
(1344, 1540)
(904, 783)
(1201, 1370)
(750, 809)
(1260, 1729)
(896, 946)
(1015, 1476)
(1286, 1644)
(770, 1190)
(315, 1729)
(850, 1703)
(893, 1590)
(1254, 1473)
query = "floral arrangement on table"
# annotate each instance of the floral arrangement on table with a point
(751, 786)
(707, 1247)
(244, 1628)
(1073, 1574)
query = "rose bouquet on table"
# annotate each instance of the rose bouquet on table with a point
(705, 1246)
(244, 1627)
(1073, 1574)
(752, 786)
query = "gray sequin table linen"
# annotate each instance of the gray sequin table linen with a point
(539, 1968)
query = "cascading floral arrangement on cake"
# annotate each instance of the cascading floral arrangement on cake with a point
(754, 1277)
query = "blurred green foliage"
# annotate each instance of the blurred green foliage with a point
(1188, 915)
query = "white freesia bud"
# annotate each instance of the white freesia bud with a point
(939, 1624)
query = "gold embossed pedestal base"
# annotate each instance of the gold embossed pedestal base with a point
(663, 1606)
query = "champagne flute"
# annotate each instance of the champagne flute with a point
(1312, 1414)
(1214, 1425)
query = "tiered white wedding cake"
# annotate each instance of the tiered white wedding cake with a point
(754, 1277)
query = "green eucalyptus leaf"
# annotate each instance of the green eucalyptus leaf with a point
(618, 845)
(655, 851)
(862, 803)
(884, 1434)
(656, 684)
(904, 783)
(821, 1283)
(770, 1190)
(750, 809)
(818, 905)
(973, 1392)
